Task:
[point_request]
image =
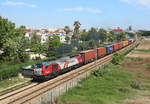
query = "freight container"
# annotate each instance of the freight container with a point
(120, 45)
(101, 51)
(109, 49)
(124, 43)
(88, 55)
(127, 42)
(116, 47)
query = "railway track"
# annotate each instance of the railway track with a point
(13, 92)
(22, 96)
(53, 83)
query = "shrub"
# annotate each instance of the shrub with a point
(136, 84)
(148, 66)
(100, 72)
(117, 58)
(124, 90)
(139, 59)
(8, 70)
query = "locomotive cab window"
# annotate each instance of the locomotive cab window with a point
(39, 65)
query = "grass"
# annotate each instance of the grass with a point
(112, 87)
(9, 82)
(9, 70)
(15, 80)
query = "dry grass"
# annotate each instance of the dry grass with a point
(140, 72)
(142, 51)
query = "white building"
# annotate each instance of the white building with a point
(44, 36)
(29, 35)
(63, 36)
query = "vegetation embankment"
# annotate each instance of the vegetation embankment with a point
(122, 83)
(8, 70)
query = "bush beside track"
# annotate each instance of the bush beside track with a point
(8, 70)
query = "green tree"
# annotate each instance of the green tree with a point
(14, 48)
(84, 35)
(111, 37)
(67, 29)
(102, 35)
(92, 34)
(7, 30)
(121, 36)
(83, 46)
(92, 44)
(117, 58)
(35, 39)
(53, 44)
(144, 33)
(67, 38)
(36, 45)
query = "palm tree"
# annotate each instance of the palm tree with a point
(76, 29)
(67, 29)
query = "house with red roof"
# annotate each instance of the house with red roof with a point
(117, 31)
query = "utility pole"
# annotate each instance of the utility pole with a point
(96, 59)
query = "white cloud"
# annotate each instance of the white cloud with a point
(10, 3)
(80, 9)
(138, 2)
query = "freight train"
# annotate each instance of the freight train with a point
(52, 68)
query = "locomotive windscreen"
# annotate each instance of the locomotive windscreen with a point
(38, 65)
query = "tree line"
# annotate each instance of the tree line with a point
(144, 33)
(13, 42)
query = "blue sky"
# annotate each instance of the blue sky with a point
(91, 13)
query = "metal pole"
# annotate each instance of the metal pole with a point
(96, 58)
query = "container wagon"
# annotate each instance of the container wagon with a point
(109, 49)
(88, 56)
(126, 42)
(101, 52)
(116, 47)
(120, 45)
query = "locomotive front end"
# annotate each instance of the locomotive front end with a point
(27, 71)
(32, 70)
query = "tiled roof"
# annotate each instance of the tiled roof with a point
(117, 30)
